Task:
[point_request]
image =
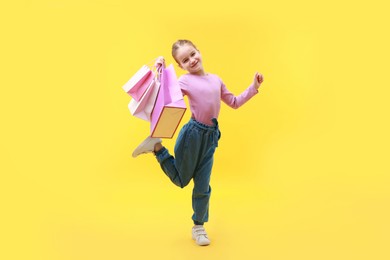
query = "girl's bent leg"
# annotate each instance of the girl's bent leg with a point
(167, 163)
(180, 170)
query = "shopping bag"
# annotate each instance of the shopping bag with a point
(139, 82)
(143, 108)
(169, 108)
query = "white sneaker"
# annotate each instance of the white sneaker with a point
(200, 236)
(147, 146)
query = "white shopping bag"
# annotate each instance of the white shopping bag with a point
(143, 108)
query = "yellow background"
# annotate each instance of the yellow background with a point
(301, 172)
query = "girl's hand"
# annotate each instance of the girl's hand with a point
(160, 61)
(258, 80)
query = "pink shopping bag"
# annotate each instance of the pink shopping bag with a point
(143, 108)
(139, 82)
(169, 108)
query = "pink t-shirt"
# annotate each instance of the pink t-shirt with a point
(205, 94)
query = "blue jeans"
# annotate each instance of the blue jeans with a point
(194, 152)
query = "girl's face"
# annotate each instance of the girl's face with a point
(190, 59)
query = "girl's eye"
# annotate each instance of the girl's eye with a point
(184, 61)
(193, 54)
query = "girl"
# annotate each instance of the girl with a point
(198, 139)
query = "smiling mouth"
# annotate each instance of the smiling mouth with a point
(194, 64)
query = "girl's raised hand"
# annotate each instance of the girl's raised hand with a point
(160, 61)
(258, 80)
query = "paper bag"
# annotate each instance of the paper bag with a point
(169, 108)
(137, 84)
(143, 108)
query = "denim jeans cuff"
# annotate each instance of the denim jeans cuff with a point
(162, 154)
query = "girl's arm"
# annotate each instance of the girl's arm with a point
(236, 101)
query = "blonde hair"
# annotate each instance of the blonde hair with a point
(178, 44)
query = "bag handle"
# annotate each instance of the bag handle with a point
(156, 69)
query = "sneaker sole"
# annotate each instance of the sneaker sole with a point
(137, 150)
